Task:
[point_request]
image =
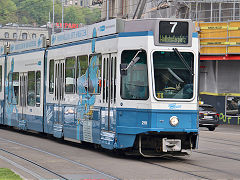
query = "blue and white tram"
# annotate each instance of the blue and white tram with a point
(129, 85)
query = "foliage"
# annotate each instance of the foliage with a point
(8, 11)
(39, 12)
(7, 174)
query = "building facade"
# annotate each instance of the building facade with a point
(201, 10)
(83, 3)
(15, 33)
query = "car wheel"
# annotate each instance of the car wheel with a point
(211, 128)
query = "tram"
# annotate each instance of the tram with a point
(129, 85)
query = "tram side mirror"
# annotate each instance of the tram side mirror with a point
(123, 69)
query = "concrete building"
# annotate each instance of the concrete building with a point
(12, 33)
(200, 10)
(83, 3)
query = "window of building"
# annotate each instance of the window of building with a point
(51, 76)
(6, 35)
(70, 74)
(14, 35)
(81, 3)
(31, 94)
(34, 36)
(24, 36)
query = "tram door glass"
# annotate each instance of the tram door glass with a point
(23, 77)
(108, 83)
(59, 90)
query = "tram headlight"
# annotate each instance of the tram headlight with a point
(174, 121)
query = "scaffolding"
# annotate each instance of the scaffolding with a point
(210, 10)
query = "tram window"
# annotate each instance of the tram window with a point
(82, 65)
(94, 74)
(31, 96)
(0, 78)
(70, 75)
(15, 83)
(51, 76)
(38, 87)
(134, 84)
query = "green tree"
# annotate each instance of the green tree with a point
(36, 11)
(74, 15)
(8, 11)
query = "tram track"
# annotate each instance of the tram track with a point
(31, 162)
(174, 169)
(183, 161)
(222, 140)
(108, 176)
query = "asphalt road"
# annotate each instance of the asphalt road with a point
(37, 157)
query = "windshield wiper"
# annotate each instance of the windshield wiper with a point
(183, 60)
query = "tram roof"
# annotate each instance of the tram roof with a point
(112, 26)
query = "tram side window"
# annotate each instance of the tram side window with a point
(82, 65)
(134, 83)
(94, 74)
(38, 87)
(51, 76)
(15, 83)
(31, 94)
(70, 75)
(0, 78)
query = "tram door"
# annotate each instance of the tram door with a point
(109, 92)
(59, 89)
(23, 94)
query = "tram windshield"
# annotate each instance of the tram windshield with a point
(173, 74)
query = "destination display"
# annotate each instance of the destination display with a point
(173, 32)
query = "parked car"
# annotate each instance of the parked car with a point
(208, 117)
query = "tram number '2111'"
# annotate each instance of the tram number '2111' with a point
(173, 27)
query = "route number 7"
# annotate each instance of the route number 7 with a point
(173, 27)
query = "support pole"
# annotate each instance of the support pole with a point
(62, 14)
(53, 19)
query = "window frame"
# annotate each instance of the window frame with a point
(99, 55)
(147, 73)
(38, 88)
(53, 78)
(193, 79)
(32, 80)
(77, 70)
(65, 74)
